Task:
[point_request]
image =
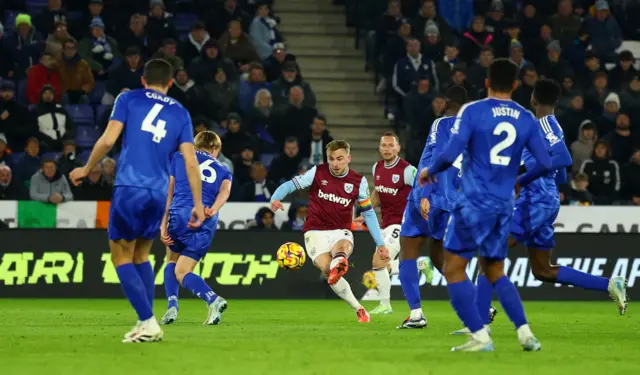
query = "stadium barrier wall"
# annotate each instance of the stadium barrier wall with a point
(49, 263)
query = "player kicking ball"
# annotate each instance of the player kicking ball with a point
(492, 133)
(185, 246)
(333, 190)
(155, 126)
(537, 208)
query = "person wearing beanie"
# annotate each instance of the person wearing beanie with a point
(24, 46)
(203, 69)
(99, 50)
(516, 55)
(554, 66)
(54, 123)
(606, 122)
(428, 13)
(606, 35)
(432, 46)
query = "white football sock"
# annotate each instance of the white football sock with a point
(334, 261)
(384, 285)
(524, 333)
(343, 290)
(151, 324)
(416, 314)
(482, 335)
(395, 267)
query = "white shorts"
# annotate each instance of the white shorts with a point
(391, 237)
(318, 242)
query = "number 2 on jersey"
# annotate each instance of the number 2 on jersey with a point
(157, 130)
(211, 175)
(494, 155)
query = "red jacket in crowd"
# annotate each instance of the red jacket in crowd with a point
(38, 76)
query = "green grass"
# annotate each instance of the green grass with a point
(307, 337)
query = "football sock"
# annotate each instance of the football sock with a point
(410, 282)
(416, 314)
(171, 285)
(395, 264)
(384, 284)
(343, 290)
(571, 276)
(336, 258)
(510, 301)
(148, 279)
(463, 301)
(134, 290)
(197, 286)
(484, 292)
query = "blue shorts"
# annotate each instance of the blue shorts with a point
(438, 220)
(192, 243)
(532, 225)
(135, 213)
(470, 231)
(413, 224)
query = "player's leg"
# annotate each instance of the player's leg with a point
(143, 266)
(171, 287)
(391, 236)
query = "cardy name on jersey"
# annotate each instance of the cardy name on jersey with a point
(156, 96)
(386, 190)
(334, 198)
(505, 111)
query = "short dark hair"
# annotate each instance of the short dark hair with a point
(502, 75)
(546, 92)
(322, 118)
(291, 140)
(456, 95)
(392, 134)
(158, 72)
(47, 160)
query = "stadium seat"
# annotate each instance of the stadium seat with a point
(266, 159)
(51, 155)
(95, 96)
(9, 20)
(86, 136)
(36, 6)
(100, 112)
(84, 155)
(75, 15)
(82, 114)
(183, 21)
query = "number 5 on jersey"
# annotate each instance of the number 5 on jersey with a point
(157, 130)
(210, 175)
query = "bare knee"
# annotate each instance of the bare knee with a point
(139, 258)
(543, 271)
(122, 252)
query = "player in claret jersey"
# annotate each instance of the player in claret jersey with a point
(393, 178)
(333, 190)
(155, 126)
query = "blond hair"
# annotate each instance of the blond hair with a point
(339, 145)
(207, 140)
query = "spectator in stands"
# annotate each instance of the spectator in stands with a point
(477, 73)
(125, 77)
(530, 23)
(313, 145)
(522, 94)
(538, 46)
(15, 121)
(576, 193)
(264, 220)
(604, 174)
(295, 119)
(9, 188)
(428, 13)
(504, 40)
(598, 93)
(99, 50)
(159, 25)
(235, 138)
(237, 45)
(572, 117)
(55, 40)
(297, 216)
(94, 187)
(222, 94)
(495, 23)
(554, 67)
(256, 80)
(623, 73)
(630, 98)
(432, 47)
(192, 47)
(54, 123)
(458, 14)
(219, 17)
(516, 55)
(273, 64)
(475, 40)
(76, 76)
(242, 166)
(606, 123)
(417, 105)
(459, 78)
(565, 24)
(574, 53)
(204, 68)
(168, 51)
(582, 148)
(280, 88)
(387, 26)
(259, 119)
(450, 61)
(409, 68)
(48, 185)
(188, 87)
(28, 163)
(260, 189)
(568, 91)
(46, 21)
(590, 67)
(606, 35)
(5, 151)
(285, 166)
(68, 160)
(25, 46)
(396, 48)
(6, 64)
(263, 31)
(108, 171)
(95, 9)
(631, 179)
(136, 36)
(620, 140)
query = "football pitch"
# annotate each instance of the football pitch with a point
(307, 337)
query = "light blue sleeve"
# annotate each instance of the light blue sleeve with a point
(370, 217)
(297, 183)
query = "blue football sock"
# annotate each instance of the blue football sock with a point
(134, 289)
(510, 301)
(571, 276)
(484, 293)
(171, 285)
(197, 286)
(410, 282)
(462, 296)
(148, 279)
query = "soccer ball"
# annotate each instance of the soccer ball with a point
(369, 280)
(291, 256)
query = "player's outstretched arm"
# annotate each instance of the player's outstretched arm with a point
(102, 147)
(164, 233)
(560, 159)
(460, 134)
(195, 183)
(223, 196)
(370, 217)
(297, 183)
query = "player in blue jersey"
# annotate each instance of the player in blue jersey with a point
(185, 246)
(155, 126)
(492, 133)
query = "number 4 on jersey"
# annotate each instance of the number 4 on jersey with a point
(157, 130)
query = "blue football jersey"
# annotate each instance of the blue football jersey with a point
(445, 191)
(212, 173)
(544, 190)
(155, 125)
(492, 133)
(417, 191)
